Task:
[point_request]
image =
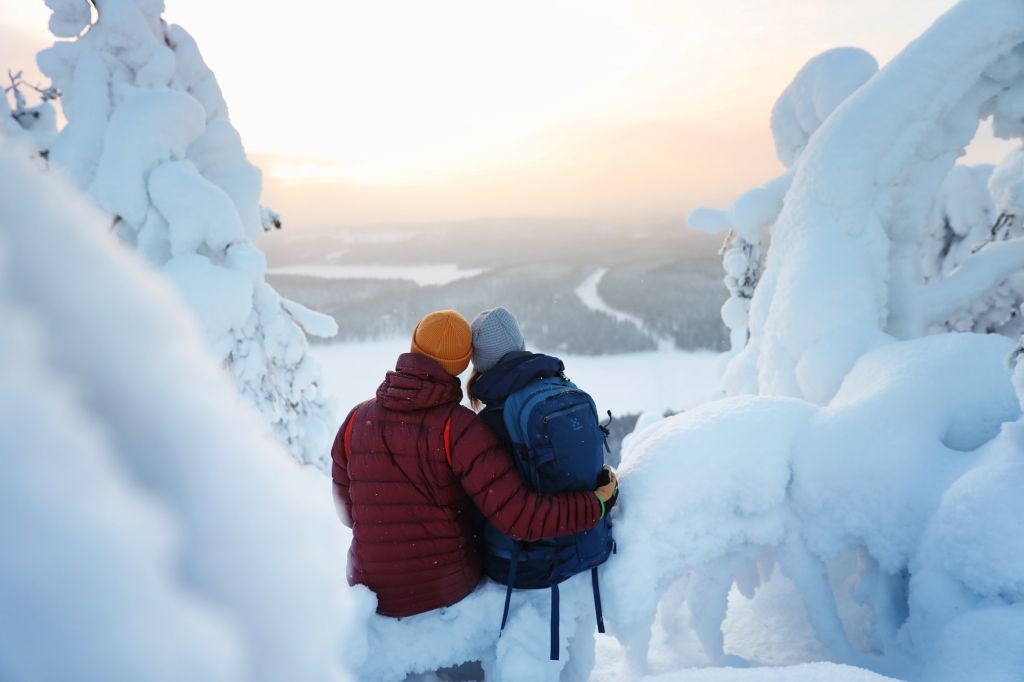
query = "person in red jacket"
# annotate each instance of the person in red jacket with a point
(410, 465)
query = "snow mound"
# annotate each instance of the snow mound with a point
(875, 462)
(816, 91)
(150, 528)
(717, 477)
(809, 672)
(908, 470)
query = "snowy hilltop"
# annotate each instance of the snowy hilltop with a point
(848, 509)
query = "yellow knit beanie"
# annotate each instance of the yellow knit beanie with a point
(445, 336)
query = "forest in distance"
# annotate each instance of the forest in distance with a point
(661, 281)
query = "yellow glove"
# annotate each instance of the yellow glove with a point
(607, 491)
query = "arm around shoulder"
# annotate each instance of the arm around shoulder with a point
(489, 476)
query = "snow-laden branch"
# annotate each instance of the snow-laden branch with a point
(976, 277)
(312, 322)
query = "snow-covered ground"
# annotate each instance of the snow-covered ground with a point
(423, 275)
(655, 381)
(856, 498)
(772, 628)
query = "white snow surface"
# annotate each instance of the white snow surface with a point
(845, 500)
(69, 17)
(423, 275)
(910, 468)
(149, 526)
(810, 672)
(629, 383)
(816, 91)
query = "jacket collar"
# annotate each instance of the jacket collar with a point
(514, 371)
(418, 383)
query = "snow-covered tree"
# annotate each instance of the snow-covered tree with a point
(149, 139)
(33, 125)
(818, 88)
(879, 466)
(863, 193)
(977, 206)
(962, 220)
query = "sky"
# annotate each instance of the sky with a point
(427, 110)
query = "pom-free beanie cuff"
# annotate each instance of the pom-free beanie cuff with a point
(445, 336)
(495, 334)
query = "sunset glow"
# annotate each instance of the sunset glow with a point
(456, 107)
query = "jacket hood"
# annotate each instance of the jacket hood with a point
(418, 383)
(514, 371)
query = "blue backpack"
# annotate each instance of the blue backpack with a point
(558, 445)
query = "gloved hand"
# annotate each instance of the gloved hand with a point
(607, 485)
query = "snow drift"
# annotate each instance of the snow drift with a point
(151, 530)
(907, 468)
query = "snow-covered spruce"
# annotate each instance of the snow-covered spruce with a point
(884, 491)
(34, 126)
(148, 137)
(843, 272)
(818, 88)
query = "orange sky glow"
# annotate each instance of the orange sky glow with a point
(399, 110)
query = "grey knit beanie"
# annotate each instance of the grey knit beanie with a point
(495, 333)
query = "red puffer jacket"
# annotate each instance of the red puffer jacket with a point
(410, 507)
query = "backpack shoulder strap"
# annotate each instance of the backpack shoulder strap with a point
(448, 439)
(347, 436)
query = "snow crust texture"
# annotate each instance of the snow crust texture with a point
(149, 139)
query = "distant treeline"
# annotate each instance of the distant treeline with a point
(679, 299)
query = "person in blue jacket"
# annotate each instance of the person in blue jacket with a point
(502, 366)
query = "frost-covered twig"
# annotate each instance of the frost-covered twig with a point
(270, 219)
(976, 277)
(17, 82)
